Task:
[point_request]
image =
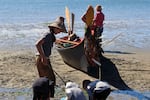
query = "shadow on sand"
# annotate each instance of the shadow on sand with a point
(119, 52)
(110, 74)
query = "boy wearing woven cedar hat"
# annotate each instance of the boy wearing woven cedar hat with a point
(44, 46)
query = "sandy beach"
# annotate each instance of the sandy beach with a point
(18, 70)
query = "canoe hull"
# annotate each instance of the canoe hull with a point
(75, 57)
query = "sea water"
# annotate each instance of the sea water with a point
(23, 21)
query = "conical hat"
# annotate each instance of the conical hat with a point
(59, 23)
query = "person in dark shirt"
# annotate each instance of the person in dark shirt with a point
(42, 89)
(97, 90)
(44, 46)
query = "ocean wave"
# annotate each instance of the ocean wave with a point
(135, 33)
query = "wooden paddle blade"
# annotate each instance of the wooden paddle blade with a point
(73, 18)
(88, 16)
(67, 17)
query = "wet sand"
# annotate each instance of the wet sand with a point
(18, 70)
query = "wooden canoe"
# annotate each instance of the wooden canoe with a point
(73, 55)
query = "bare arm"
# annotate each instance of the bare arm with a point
(39, 47)
(40, 50)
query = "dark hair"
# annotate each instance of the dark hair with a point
(41, 89)
(101, 95)
(85, 83)
(40, 96)
(51, 29)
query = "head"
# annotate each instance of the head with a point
(85, 83)
(101, 91)
(102, 95)
(68, 89)
(98, 7)
(58, 26)
(71, 85)
(41, 89)
(54, 30)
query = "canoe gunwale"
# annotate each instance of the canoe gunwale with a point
(65, 48)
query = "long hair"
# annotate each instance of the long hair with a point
(101, 95)
(40, 96)
(51, 29)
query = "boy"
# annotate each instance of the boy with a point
(44, 46)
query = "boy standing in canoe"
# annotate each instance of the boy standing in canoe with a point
(98, 25)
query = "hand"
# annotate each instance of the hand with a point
(44, 61)
(70, 32)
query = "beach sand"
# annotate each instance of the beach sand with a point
(18, 69)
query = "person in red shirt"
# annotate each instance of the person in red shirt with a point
(98, 25)
(99, 18)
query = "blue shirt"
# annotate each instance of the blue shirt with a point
(49, 39)
(91, 86)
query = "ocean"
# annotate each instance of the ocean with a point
(23, 21)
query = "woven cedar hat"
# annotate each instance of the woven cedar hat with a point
(59, 23)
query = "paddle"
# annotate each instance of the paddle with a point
(99, 64)
(67, 17)
(96, 62)
(87, 18)
(73, 17)
(106, 42)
